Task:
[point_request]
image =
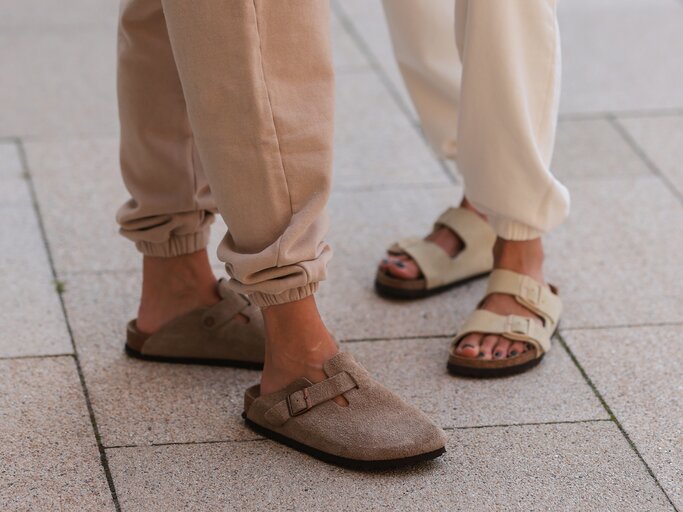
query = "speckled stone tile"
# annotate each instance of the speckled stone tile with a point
(31, 315)
(48, 454)
(85, 237)
(366, 19)
(638, 372)
(586, 466)
(364, 224)
(607, 68)
(13, 185)
(612, 258)
(139, 402)
(375, 143)
(589, 148)
(416, 370)
(74, 14)
(661, 138)
(39, 81)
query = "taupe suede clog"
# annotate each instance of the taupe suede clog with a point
(207, 335)
(543, 300)
(377, 430)
(440, 271)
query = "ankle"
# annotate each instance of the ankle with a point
(525, 257)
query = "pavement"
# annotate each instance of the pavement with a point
(597, 426)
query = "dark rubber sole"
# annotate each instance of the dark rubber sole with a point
(391, 292)
(191, 360)
(488, 373)
(365, 465)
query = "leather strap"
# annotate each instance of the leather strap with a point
(513, 327)
(303, 400)
(470, 227)
(531, 294)
(231, 304)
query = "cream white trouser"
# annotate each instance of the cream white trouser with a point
(238, 96)
(484, 76)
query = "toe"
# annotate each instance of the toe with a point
(500, 351)
(516, 348)
(486, 347)
(469, 346)
(403, 268)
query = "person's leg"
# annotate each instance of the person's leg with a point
(258, 80)
(171, 208)
(259, 90)
(423, 40)
(507, 120)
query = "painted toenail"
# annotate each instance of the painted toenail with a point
(399, 264)
(498, 354)
(513, 353)
(468, 346)
(481, 354)
(385, 261)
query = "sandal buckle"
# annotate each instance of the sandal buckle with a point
(519, 325)
(297, 409)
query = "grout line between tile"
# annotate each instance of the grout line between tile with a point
(91, 413)
(186, 443)
(620, 326)
(362, 45)
(628, 138)
(40, 356)
(531, 424)
(609, 411)
(631, 114)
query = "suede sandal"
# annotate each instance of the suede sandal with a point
(536, 297)
(377, 430)
(440, 271)
(208, 335)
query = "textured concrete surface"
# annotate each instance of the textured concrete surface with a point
(638, 371)
(597, 426)
(543, 467)
(48, 455)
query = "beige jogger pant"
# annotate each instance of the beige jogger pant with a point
(236, 95)
(487, 95)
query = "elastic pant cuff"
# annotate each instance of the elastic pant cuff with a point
(175, 246)
(512, 230)
(264, 300)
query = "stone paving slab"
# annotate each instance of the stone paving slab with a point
(593, 148)
(375, 143)
(608, 68)
(416, 370)
(70, 89)
(638, 372)
(661, 138)
(74, 14)
(48, 455)
(585, 466)
(138, 402)
(31, 316)
(13, 187)
(612, 256)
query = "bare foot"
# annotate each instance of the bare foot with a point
(402, 266)
(174, 286)
(297, 345)
(522, 257)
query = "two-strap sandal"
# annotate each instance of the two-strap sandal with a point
(376, 430)
(440, 271)
(208, 335)
(542, 300)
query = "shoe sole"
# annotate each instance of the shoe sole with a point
(487, 373)
(365, 465)
(391, 292)
(248, 365)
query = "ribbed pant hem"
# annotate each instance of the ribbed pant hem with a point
(175, 246)
(264, 299)
(512, 230)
